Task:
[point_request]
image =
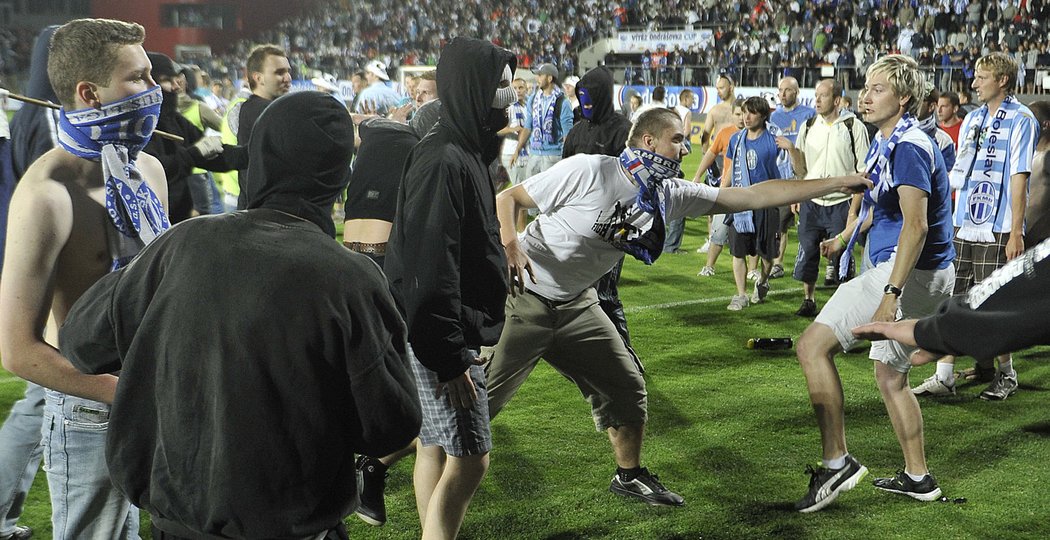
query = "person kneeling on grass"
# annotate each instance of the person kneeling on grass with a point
(593, 209)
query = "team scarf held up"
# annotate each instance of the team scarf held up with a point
(648, 170)
(877, 163)
(114, 135)
(983, 192)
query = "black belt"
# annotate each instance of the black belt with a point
(552, 304)
(378, 249)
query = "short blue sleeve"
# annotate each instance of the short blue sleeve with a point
(912, 167)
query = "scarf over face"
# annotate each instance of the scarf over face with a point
(114, 135)
(648, 170)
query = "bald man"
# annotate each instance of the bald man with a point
(789, 117)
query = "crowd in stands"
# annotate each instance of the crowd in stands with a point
(766, 39)
(755, 41)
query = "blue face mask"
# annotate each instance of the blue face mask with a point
(586, 105)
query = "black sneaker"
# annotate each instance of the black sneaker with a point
(808, 308)
(646, 487)
(923, 490)
(825, 485)
(371, 482)
(19, 533)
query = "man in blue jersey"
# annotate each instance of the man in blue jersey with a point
(753, 153)
(790, 116)
(991, 173)
(910, 248)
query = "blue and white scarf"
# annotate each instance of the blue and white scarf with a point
(877, 163)
(985, 149)
(743, 222)
(114, 135)
(543, 118)
(648, 170)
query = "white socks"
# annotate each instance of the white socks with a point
(836, 463)
(946, 373)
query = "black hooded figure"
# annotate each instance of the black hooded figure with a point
(241, 420)
(602, 131)
(444, 258)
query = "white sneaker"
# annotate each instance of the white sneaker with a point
(753, 275)
(706, 271)
(704, 248)
(738, 303)
(934, 387)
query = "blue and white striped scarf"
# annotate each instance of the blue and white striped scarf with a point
(114, 135)
(877, 162)
(985, 150)
(649, 171)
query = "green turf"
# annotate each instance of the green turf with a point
(732, 430)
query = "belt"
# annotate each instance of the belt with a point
(552, 304)
(378, 249)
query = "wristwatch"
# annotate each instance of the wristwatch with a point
(892, 289)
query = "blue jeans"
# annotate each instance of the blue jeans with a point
(205, 194)
(673, 236)
(84, 503)
(20, 452)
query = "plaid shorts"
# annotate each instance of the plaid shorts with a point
(459, 432)
(974, 261)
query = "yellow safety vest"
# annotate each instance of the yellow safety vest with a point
(228, 180)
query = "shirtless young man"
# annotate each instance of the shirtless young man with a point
(63, 238)
(720, 116)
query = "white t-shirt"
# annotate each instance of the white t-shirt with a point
(583, 201)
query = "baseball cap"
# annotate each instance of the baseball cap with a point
(377, 68)
(548, 69)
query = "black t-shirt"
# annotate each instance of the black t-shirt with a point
(372, 193)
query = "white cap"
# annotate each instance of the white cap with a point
(571, 81)
(325, 83)
(377, 68)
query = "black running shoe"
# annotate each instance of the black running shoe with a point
(825, 485)
(371, 482)
(807, 309)
(646, 487)
(923, 490)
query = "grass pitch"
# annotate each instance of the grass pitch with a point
(731, 430)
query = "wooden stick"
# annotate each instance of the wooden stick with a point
(49, 105)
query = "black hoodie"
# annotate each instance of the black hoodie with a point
(34, 130)
(606, 131)
(300, 171)
(241, 419)
(444, 259)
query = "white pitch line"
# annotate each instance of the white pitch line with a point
(669, 305)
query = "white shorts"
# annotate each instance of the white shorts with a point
(855, 303)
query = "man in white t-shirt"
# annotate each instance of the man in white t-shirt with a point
(592, 209)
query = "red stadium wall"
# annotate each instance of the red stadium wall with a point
(250, 17)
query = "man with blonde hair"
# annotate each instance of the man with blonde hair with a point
(996, 146)
(909, 246)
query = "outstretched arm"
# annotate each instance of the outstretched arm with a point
(783, 192)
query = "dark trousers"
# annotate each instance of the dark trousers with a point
(338, 533)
